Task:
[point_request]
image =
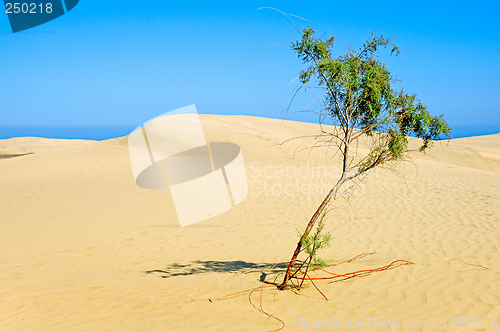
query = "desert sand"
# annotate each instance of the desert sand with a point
(82, 248)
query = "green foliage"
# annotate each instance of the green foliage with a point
(312, 243)
(360, 98)
(358, 94)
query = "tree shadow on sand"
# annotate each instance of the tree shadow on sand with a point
(198, 267)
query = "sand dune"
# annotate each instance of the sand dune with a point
(26, 145)
(82, 248)
(483, 142)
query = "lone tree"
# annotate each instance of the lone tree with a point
(361, 102)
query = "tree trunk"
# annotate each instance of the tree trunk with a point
(309, 227)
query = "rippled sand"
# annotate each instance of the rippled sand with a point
(82, 248)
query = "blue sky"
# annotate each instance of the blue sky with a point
(120, 63)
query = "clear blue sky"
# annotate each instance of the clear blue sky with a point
(120, 63)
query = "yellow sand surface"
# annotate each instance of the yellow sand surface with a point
(82, 248)
(25, 145)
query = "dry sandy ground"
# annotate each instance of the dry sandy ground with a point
(82, 248)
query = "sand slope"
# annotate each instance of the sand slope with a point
(27, 145)
(82, 248)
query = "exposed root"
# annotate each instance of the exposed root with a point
(360, 272)
(483, 267)
(261, 309)
(300, 276)
(237, 293)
